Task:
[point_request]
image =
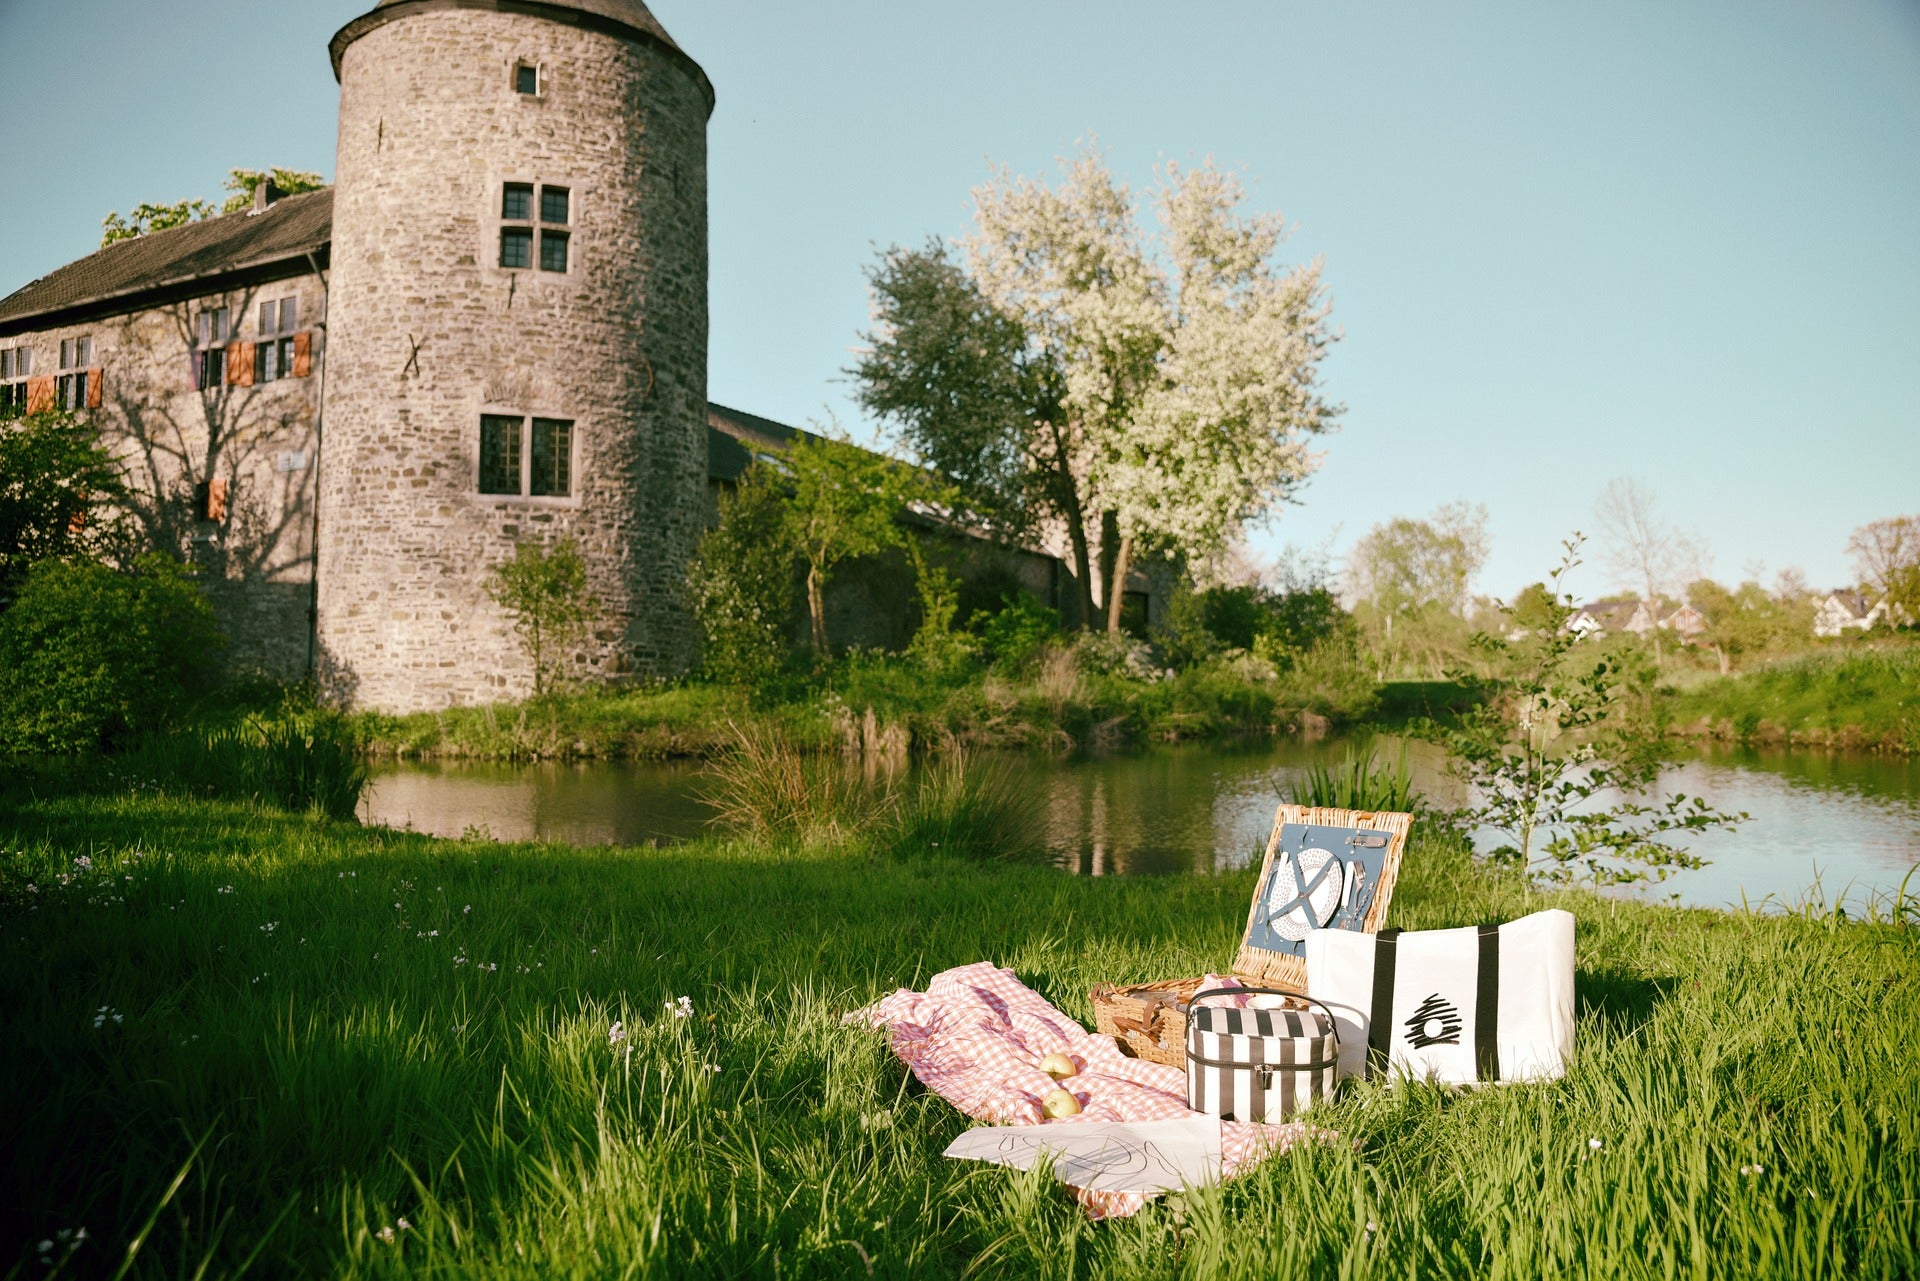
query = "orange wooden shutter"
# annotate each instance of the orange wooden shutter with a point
(303, 353)
(78, 521)
(93, 388)
(240, 364)
(216, 499)
(40, 394)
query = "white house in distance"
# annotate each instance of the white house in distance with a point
(1849, 609)
(1638, 617)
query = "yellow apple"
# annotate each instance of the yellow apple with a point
(1059, 1103)
(1058, 1066)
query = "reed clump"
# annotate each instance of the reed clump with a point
(768, 790)
(1359, 780)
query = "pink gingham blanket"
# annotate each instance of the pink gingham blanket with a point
(976, 1037)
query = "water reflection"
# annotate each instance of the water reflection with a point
(1852, 822)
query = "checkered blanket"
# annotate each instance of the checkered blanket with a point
(976, 1037)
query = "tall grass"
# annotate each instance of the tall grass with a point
(769, 791)
(372, 1054)
(1358, 781)
(302, 762)
(1865, 697)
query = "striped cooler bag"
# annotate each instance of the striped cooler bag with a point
(1259, 1065)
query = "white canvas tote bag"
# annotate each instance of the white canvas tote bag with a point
(1480, 1003)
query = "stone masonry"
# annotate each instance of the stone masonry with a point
(427, 333)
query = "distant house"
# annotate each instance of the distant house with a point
(1608, 617)
(1844, 610)
(1686, 622)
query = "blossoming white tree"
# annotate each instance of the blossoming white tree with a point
(1070, 367)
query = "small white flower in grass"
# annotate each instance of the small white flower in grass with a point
(270, 927)
(466, 909)
(224, 889)
(385, 1234)
(83, 862)
(681, 1009)
(402, 1224)
(714, 1068)
(616, 1034)
(1753, 1169)
(1595, 1144)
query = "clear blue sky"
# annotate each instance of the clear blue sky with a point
(1674, 241)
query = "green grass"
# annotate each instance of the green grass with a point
(1854, 697)
(1057, 704)
(244, 1037)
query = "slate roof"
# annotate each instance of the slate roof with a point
(129, 270)
(734, 436)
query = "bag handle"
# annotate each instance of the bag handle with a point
(1332, 1022)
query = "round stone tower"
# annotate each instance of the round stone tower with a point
(516, 343)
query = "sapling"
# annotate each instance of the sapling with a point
(1560, 757)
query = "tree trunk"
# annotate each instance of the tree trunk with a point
(817, 611)
(1117, 588)
(1082, 563)
(1726, 665)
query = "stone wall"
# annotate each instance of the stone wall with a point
(429, 332)
(257, 442)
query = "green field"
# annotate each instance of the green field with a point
(1857, 698)
(244, 1041)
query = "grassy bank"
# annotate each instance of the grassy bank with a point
(1857, 698)
(885, 703)
(239, 1038)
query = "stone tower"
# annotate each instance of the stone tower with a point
(516, 338)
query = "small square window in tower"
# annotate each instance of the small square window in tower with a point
(551, 475)
(500, 454)
(526, 79)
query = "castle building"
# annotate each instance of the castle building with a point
(347, 406)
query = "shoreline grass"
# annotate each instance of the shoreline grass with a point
(323, 1031)
(1859, 699)
(869, 703)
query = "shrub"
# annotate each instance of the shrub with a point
(96, 656)
(546, 592)
(56, 489)
(740, 584)
(1017, 632)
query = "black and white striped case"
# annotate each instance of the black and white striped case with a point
(1258, 1065)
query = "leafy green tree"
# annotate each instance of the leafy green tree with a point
(242, 183)
(96, 656)
(58, 490)
(1560, 754)
(1070, 370)
(1749, 620)
(843, 502)
(546, 592)
(741, 583)
(1886, 556)
(1410, 579)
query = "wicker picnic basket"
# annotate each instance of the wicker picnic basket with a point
(1150, 1019)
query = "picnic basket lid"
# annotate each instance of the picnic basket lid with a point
(1342, 863)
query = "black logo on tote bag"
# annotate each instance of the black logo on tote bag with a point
(1434, 1022)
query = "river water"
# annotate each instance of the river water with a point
(1835, 826)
